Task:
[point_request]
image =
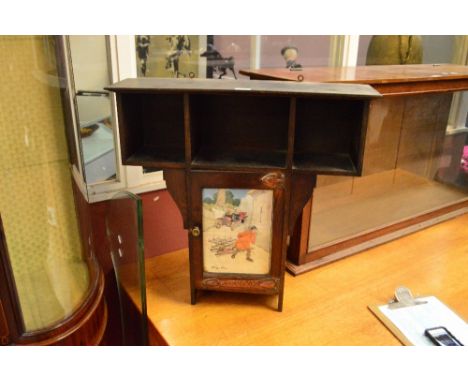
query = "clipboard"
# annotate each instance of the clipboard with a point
(407, 318)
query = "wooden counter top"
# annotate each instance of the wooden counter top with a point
(327, 306)
(387, 79)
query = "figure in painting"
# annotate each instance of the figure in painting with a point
(289, 54)
(143, 44)
(244, 242)
(178, 45)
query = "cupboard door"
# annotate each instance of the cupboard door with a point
(236, 241)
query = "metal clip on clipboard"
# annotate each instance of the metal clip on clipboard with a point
(403, 298)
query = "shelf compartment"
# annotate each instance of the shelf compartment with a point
(156, 157)
(324, 163)
(239, 130)
(329, 136)
(152, 129)
(207, 158)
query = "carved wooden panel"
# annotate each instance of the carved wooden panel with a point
(268, 285)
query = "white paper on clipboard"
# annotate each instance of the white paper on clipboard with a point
(412, 321)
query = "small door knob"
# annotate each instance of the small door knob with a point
(196, 231)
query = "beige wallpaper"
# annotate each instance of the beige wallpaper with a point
(36, 200)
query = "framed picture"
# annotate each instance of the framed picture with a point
(170, 56)
(237, 225)
(239, 245)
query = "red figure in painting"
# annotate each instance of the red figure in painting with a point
(244, 241)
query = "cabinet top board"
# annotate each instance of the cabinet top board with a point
(372, 74)
(197, 85)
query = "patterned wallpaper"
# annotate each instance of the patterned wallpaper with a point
(36, 199)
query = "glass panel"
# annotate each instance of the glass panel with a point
(237, 230)
(222, 56)
(36, 198)
(294, 51)
(438, 49)
(415, 145)
(225, 55)
(393, 50)
(89, 59)
(413, 165)
(124, 228)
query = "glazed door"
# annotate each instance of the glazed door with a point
(124, 229)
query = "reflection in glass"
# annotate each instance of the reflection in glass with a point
(91, 74)
(36, 198)
(435, 49)
(306, 51)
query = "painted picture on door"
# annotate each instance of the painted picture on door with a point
(237, 230)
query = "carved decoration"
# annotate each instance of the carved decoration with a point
(273, 180)
(258, 285)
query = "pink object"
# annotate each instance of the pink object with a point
(464, 160)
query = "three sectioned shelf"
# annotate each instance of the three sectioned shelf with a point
(220, 124)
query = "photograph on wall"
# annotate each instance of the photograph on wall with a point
(175, 56)
(237, 230)
(217, 65)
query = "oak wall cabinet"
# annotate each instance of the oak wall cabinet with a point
(240, 159)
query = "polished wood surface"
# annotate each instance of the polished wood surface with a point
(327, 306)
(387, 79)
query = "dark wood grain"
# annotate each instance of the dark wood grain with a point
(243, 134)
(175, 182)
(151, 129)
(177, 124)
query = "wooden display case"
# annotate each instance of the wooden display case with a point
(402, 181)
(246, 137)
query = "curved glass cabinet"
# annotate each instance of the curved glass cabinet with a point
(53, 279)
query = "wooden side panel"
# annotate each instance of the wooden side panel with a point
(175, 181)
(423, 127)
(383, 134)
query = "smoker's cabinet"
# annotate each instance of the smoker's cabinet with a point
(242, 135)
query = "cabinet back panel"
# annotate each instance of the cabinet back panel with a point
(152, 126)
(328, 127)
(130, 128)
(239, 121)
(163, 120)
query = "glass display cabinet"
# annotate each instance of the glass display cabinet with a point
(50, 283)
(413, 173)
